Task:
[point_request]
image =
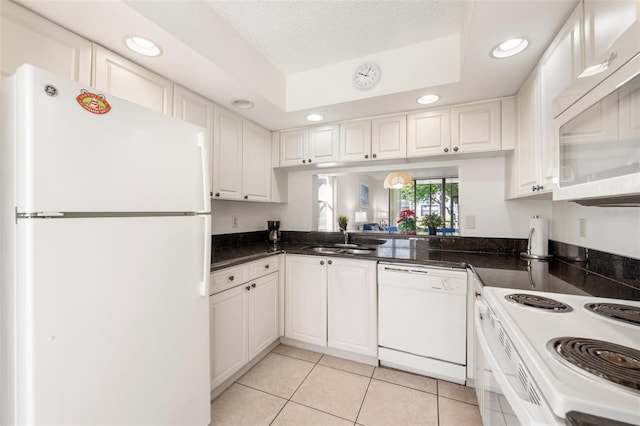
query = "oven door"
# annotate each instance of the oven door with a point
(504, 400)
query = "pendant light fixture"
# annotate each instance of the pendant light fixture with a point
(397, 180)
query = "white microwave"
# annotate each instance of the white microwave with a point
(599, 143)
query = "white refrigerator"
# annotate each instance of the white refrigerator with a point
(105, 259)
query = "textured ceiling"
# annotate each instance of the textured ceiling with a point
(306, 34)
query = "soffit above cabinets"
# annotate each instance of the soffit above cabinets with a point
(296, 57)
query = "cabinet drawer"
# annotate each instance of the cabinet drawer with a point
(261, 267)
(229, 277)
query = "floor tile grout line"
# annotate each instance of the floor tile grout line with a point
(363, 398)
(405, 386)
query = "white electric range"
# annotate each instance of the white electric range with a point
(560, 363)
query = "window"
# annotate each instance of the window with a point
(428, 196)
(326, 203)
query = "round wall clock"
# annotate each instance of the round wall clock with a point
(367, 76)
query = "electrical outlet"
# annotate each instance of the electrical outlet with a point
(234, 221)
(582, 228)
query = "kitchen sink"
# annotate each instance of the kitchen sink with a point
(339, 248)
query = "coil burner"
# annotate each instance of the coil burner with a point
(611, 362)
(538, 302)
(623, 313)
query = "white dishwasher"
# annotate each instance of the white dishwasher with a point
(422, 320)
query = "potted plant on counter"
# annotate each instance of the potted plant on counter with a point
(342, 222)
(407, 222)
(431, 221)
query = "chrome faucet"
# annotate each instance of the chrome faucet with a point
(346, 235)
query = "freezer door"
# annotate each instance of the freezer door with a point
(75, 156)
(113, 321)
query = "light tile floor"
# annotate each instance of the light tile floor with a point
(292, 386)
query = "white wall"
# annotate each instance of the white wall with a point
(251, 216)
(610, 229)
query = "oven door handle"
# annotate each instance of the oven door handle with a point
(527, 412)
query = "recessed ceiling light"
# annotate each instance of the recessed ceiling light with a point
(428, 99)
(142, 45)
(314, 117)
(510, 47)
(242, 104)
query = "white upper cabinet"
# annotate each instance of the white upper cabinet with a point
(127, 80)
(29, 38)
(355, 140)
(307, 146)
(428, 133)
(604, 22)
(227, 155)
(195, 109)
(256, 162)
(324, 142)
(241, 158)
(476, 128)
(293, 146)
(389, 137)
(527, 153)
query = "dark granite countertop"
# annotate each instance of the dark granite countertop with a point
(506, 270)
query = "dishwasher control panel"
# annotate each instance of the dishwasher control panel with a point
(423, 277)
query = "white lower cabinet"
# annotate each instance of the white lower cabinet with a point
(244, 319)
(332, 302)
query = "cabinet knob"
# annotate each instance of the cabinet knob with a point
(248, 287)
(266, 266)
(446, 150)
(478, 294)
(534, 188)
(304, 161)
(455, 148)
(540, 187)
(309, 159)
(322, 262)
(253, 285)
(330, 262)
(211, 194)
(374, 156)
(217, 194)
(231, 278)
(246, 197)
(366, 156)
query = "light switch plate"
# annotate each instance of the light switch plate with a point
(582, 227)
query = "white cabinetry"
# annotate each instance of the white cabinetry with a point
(195, 109)
(306, 299)
(127, 80)
(352, 306)
(476, 128)
(389, 137)
(241, 158)
(428, 133)
(311, 145)
(29, 38)
(332, 302)
(355, 140)
(244, 315)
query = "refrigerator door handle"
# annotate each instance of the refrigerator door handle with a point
(206, 254)
(206, 191)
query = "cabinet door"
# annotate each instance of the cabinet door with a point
(428, 133)
(355, 141)
(528, 124)
(306, 299)
(123, 78)
(604, 22)
(263, 309)
(324, 143)
(227, 155)
(229, 328)
(195, 109)
(352, 306)
(27, 38)
(256, 162)
(476, 128)
(389, 137)
(293, 147)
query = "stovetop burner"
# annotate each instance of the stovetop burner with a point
(540, 302)
(624, 313)
(615, 363)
